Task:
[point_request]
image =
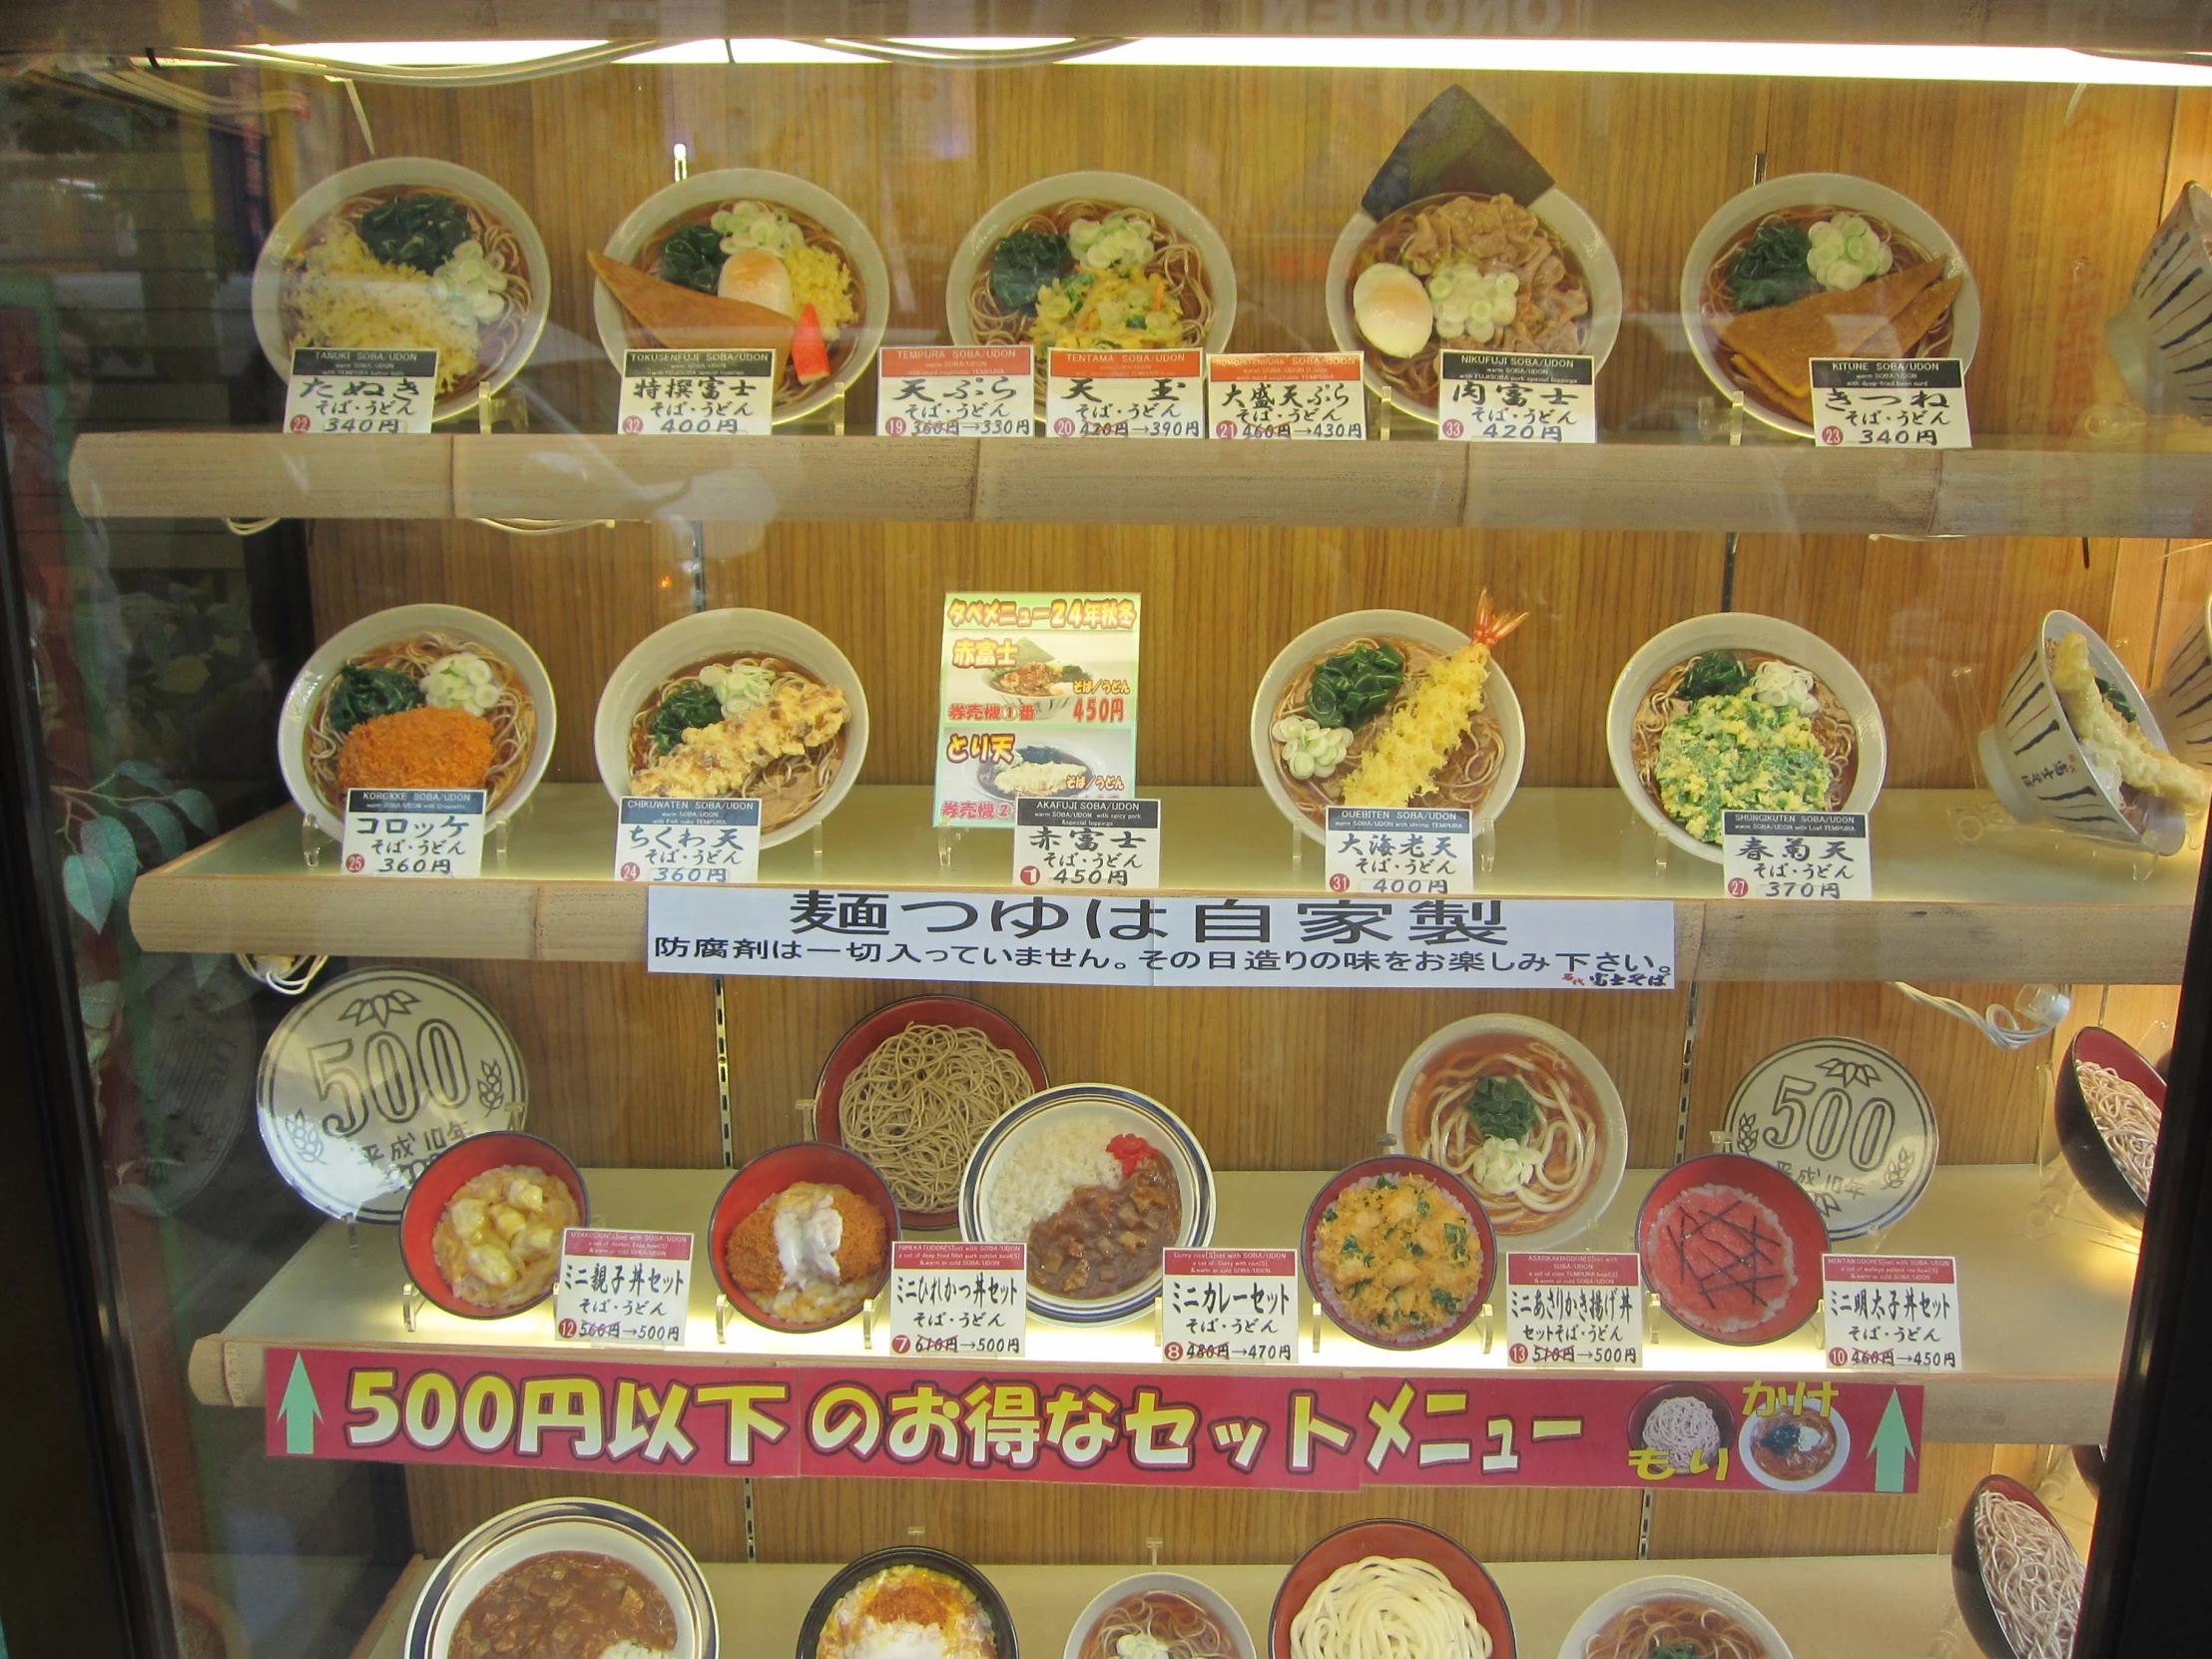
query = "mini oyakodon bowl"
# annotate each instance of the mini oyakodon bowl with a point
(2154, 337)
(2035, 762)
(446, 1174)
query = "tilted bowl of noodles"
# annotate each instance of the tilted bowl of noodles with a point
(407, 252)
(1159, 1613)
(1389, 1587)
(2015, 1574)
(1675, 1615)
(416, 696)
(2108, 1108)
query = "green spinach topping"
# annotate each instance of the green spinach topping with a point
(687, 706)
(1503, 1108)
(2118, 699)
(362, 693)
(418, 231)
(1022, 263)
(1351, 688)
(1664, 1649)
(1772, 268)
(692, 257)
(1716, 674)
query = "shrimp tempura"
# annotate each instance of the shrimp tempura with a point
(2112, 744)
(1430, 724)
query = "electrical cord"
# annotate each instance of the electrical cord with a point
(2035, 1013)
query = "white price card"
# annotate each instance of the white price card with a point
(1087, 843)
(1892, 1312)
(620, 1287)
(1573, 1308)
(333, 390)
(715, 841)
(1518, 397)
(960, 1301)
(413, 832)
(697, 393)
(1890, 403)
(1124, 395)
(956, 391)
(1230, 1306)
(1400, 850)
(1287, 394)
(1795, 855)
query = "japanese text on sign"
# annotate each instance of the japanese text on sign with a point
(965, 1300)
(1287, 394)
(1890, 402)
(956, 391)
(618, 1287)
(1230, 1306)
(333, 390)
(1087, 843)
(413, 832)
(1400, 850)
(1892, 1313)
(697, 393)
(1571, 1307)
(715, 841)
(1124, 395)
(1517, 398)
(1795, 855)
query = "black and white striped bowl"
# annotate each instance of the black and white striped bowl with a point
(2035, 764)
(2183, 700)
(2162, 339)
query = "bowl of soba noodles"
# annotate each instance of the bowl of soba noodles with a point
(1674, 1615)
(1159, 1613)
(2015, 1573)
(2109, 1106)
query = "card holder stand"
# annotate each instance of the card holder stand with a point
(411, 1302)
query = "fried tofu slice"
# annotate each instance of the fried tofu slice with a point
(1783, 340)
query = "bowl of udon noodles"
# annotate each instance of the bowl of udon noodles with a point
(748, 236)
(1674, 1615)
(1098, 261)
(416, 696)
(1389, 1587)
(735, 703)
(1525, 1115)
(1159, 1613)
(2109, 1106)
(1335, 692)
(2015, 1573)
(1469, 272)
(407, 253)
(1741, 712)
(1820, 265)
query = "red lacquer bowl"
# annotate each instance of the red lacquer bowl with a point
(1400, 1163)
(434, 1189)
(767, 1175)
(1401, 1540)
(1801, 1223)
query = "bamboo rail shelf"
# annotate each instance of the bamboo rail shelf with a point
(2002, 488)
(2024, 904)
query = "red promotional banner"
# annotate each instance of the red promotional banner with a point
(1314, 1432)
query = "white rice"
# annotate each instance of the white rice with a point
(1040, 1172)
(634, 1650)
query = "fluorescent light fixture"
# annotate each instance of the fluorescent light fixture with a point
(410, 54)
(984, 43)
(684, 50)
(789, 51)
(2049, 64)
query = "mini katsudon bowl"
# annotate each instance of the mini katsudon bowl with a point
(801, 1236)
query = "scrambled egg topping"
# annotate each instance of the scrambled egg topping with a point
(2116, 748)
(1736, 752)
(341, 294)
(499, 1240)
(721, 759)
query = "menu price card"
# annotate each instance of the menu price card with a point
(1890, 402)
(618, 1287)
(1795, 855)
(715, 841)
(1230, 1306)
(1573, 1308)
(1124, 395)
(1892, 1313)
(956, 391)
(1518, 397)
(1287, 394)
(1400, 850)
(960, 1300)
(333, 390)
(1087, 843)
(710, 393)
(413, 832)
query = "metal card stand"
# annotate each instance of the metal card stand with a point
(411, 1302)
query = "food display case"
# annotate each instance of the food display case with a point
(893, 833)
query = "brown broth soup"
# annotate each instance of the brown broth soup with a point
(570, 1604)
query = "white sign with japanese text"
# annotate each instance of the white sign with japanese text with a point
(715, 841)
(696, 394)
(331, 390)
(958, 1300)
(1573, 1308)
(1517, 398)
(1890, 402)
(956, 391)
(1230, 1306)
(1164, 940)
(1795, 855)
(413, 832)
(1087, 843)
(1892, 1313)
(1125, 394)
(1400, 850)
(1287, 394)
(618, 1287)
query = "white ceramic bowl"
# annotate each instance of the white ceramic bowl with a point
(1324, 637)
(1176, 1583)
(382, 628)
(1849, 193)
(729, 633)
(298, 220)
(1123, 188)
(2035, 764)
(1128, 1113)
(742, 184)
(1612, 1164)
(1741, 631)
(2160, 339)
(1838, 1462)
(1559, 214)
(2183, 700)
(1616, 1600)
